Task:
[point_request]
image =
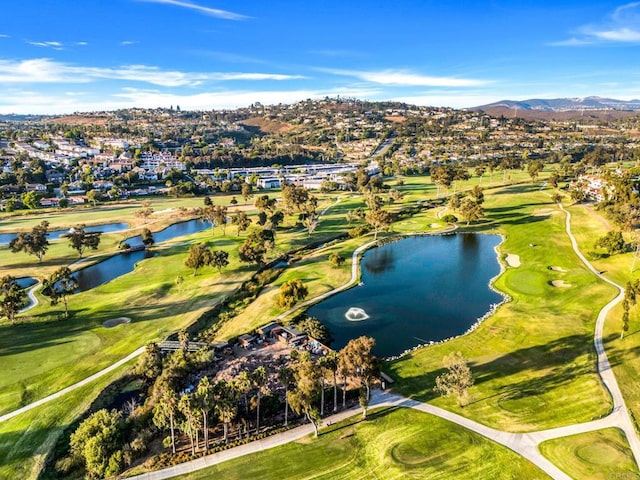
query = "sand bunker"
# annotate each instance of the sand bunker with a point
(560, 284)
(435, 225)
(557, 269)
(513, 260)
(544, 212)
(114, 322)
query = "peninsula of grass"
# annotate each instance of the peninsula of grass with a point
(599, 455)
(391, 444)
(533, 360)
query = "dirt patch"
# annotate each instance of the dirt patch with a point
(544, 212)
(560, 284)
(557, 269)
(114, 322)
(395, 118)
(513, 260)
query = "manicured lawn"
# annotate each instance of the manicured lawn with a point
(391, 444)
(603, 454)
(533, 361)
(26, 439)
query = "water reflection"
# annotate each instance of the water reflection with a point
(379, 261)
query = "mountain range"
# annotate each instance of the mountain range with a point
(565, 104)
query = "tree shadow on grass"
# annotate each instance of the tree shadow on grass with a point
(536, 370)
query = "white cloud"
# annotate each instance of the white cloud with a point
(81, 44)
(213, 12)
(54, 45)
(126, 43)
(22, 102)
(405, 78)
(2, 35)
(44, 70)
(622, 26)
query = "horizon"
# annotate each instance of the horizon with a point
(211, 55)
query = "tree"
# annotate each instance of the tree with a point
(294, 198)
(205, 402)
(207, 201)
(199, 256)
(207, 214)
(147, 238)
(332, 364)
(259, 379)
(145, 212)
(290, 293)
(307, 389)
(247, 191)
(613, 242)
(256, 246)
(314, 328)
(183, 339)
(357, 361)
(285, 377)
(94, 196)
(80, 240)
(264, 203)
(31, 200)
(149, 364)
(225, 406)
(60, 285)
(220, 259)
(477, 193)
(456, 380)
(220, 217)
(336, 259)
(241, 221)
(187, 406)
(470, 210)
(12, 297)
(96, 442)
(34, 243)
(378, 220)
(534, 168)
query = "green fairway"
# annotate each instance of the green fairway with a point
(391, 444)
(599, 455)
(25, 440)
(533, 360)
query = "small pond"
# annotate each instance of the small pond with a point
(5, 238)
(26, 282)
(172, 231)
(113, 267)
(415, 290)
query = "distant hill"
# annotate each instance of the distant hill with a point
(566, 104)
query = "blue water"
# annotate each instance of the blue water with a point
(172, 231)
(109, 269)
(5, 238)
(416, 290)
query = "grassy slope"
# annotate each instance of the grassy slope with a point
(624, 354)
(597, 455)
(25, 440)
(395, 444)
(533, 360)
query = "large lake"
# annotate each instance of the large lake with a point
(415, 290)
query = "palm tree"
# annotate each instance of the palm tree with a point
(285, 377)
(205, 401)
(331, 362)
(225, 405)
(189, 426)
(242, 384)
(165, 411)
(259, 379)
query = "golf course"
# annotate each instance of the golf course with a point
(533, 361)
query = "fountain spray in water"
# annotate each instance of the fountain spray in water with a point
(355, 314)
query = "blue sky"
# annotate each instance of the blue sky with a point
(64, 56)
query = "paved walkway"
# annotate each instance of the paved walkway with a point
(70, 388)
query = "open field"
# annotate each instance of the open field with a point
(599, 455)
(390, 444)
